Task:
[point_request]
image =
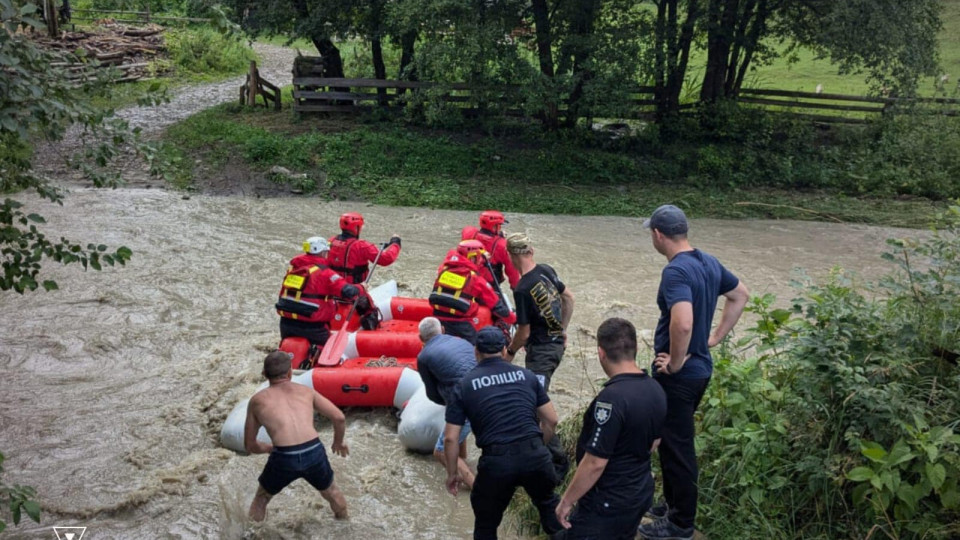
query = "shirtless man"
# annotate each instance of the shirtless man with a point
(285, 409)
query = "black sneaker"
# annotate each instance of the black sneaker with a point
(659, 510)
(664, 529)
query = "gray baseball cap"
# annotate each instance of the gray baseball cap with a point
(668, 219)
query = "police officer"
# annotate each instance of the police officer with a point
(612, 487)
(690, 286)
(511, 416)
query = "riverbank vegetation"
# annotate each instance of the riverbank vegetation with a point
(761, 166)
(838, 417)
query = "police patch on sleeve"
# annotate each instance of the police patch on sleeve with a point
(602, 412)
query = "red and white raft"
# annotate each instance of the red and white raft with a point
(368, 368)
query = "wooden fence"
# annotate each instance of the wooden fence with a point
(345, 95)
(261, 87)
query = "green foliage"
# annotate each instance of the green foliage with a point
(37, 100)
(843, 418)
(207, 52)
(19, 499)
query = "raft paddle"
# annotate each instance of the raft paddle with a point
(333, 350)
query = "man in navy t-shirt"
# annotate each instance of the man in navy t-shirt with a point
(612, 487)
(690, 285)
(511, 416)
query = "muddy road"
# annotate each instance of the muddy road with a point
(115, 387)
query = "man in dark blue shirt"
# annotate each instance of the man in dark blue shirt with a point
(511, 417)
(442, 363)
(690, 285)
(612, 487)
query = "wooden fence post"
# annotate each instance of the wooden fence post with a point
(252, 84)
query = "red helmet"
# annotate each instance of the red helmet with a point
(471, 249)
(351, 223)
(491, 220)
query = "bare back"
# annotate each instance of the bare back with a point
(286, 411)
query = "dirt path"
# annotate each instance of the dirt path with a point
(275, 65)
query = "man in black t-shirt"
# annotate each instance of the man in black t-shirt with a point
(612, 487)
(544, 306)
(511, 416)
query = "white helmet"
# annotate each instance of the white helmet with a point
(316, 245)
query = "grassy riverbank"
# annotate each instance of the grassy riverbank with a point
(514, 169)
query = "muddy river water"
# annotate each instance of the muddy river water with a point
(115, 387)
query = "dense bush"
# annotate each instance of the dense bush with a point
(844, 419)
(206, 52)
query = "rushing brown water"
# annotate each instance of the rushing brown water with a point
(115, 387)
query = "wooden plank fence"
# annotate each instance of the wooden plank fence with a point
(261, 87)
(354, 95)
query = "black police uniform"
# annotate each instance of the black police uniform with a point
(620, 426)
(501, 402)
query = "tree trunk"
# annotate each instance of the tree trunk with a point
(50, 17)
(541, 18)
(379, 69)
(407, 69)
(583, 24)
(332, 62)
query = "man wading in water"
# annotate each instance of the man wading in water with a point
(285, 409)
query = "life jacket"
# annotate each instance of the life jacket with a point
(489, 240)
(339, 259)
(301, 298)
(452, 294)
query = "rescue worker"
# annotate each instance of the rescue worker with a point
(490, 234)
(460, 290)
(308, 295)
(612, 487)
(511, 416)
(351, 257)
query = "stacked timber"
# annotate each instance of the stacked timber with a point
(108, 44)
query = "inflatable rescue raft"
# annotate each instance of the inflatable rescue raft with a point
(368, 368)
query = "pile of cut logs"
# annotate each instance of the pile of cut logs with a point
(127, 48)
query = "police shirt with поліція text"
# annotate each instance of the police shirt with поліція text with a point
(501, 402)
(620, 426)
(537, 296)
(443, 361)
(698, 278)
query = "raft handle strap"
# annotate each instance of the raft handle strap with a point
(363, 389)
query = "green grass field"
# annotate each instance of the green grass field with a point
(809, 71)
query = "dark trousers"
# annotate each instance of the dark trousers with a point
(678, 458)
(543, 358)
(316, 333)
(462, 329)
(501, 469)
(591, 521)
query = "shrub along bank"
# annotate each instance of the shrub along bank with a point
(729, 163)
(839, 417)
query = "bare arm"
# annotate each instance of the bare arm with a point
(330, 411)
(250, 430)
(519, 339)
(451, 453)
(733, 306)
(566, 308)
(588, 472)
(548, 420)
(681, 330)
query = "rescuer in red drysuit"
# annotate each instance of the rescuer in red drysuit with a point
(490, 234)
(460, 289)
(351, 257)
(308, 296)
